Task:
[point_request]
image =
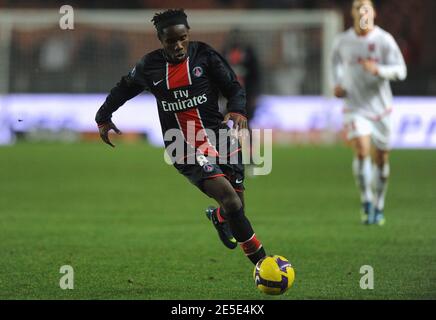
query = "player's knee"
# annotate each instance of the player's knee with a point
(362, 153)
(231, 203)
(381, 159)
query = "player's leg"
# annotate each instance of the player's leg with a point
(220, 212)
(234, 171)
(358, 130)
(240, 194)
(223, 192)
(381, 175)
(362, 170)
(216, 215)
(235, 175)
(381, 139)
(197, 174)
(219, 220)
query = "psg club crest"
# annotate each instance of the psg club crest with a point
(208, 168)
(197, 71)
(371, 47)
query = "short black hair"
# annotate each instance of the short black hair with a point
(168, 18)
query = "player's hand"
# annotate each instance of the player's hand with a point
(339, 92)
(104, 132)
(370, 66)
(239, 122)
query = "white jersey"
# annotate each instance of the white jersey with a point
(368, 95)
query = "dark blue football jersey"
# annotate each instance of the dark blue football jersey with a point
(185, 92)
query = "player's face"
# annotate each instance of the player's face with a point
(363, 14)
(175, 40)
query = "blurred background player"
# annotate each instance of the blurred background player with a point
(242, 58)
(365, 59)
(185, 77)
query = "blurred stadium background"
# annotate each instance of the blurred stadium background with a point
(66, 199)
(289, 41)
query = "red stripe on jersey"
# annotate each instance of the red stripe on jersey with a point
(177, 75)
(251, 246)
(215, 176)
(190, 123)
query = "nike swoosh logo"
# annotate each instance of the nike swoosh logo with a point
(239, 181)
(157, 82)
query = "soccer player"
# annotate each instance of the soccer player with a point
(365, 59)
(186, 78)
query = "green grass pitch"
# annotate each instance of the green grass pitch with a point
(133, 228)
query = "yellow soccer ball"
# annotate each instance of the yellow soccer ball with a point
(273, 275)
